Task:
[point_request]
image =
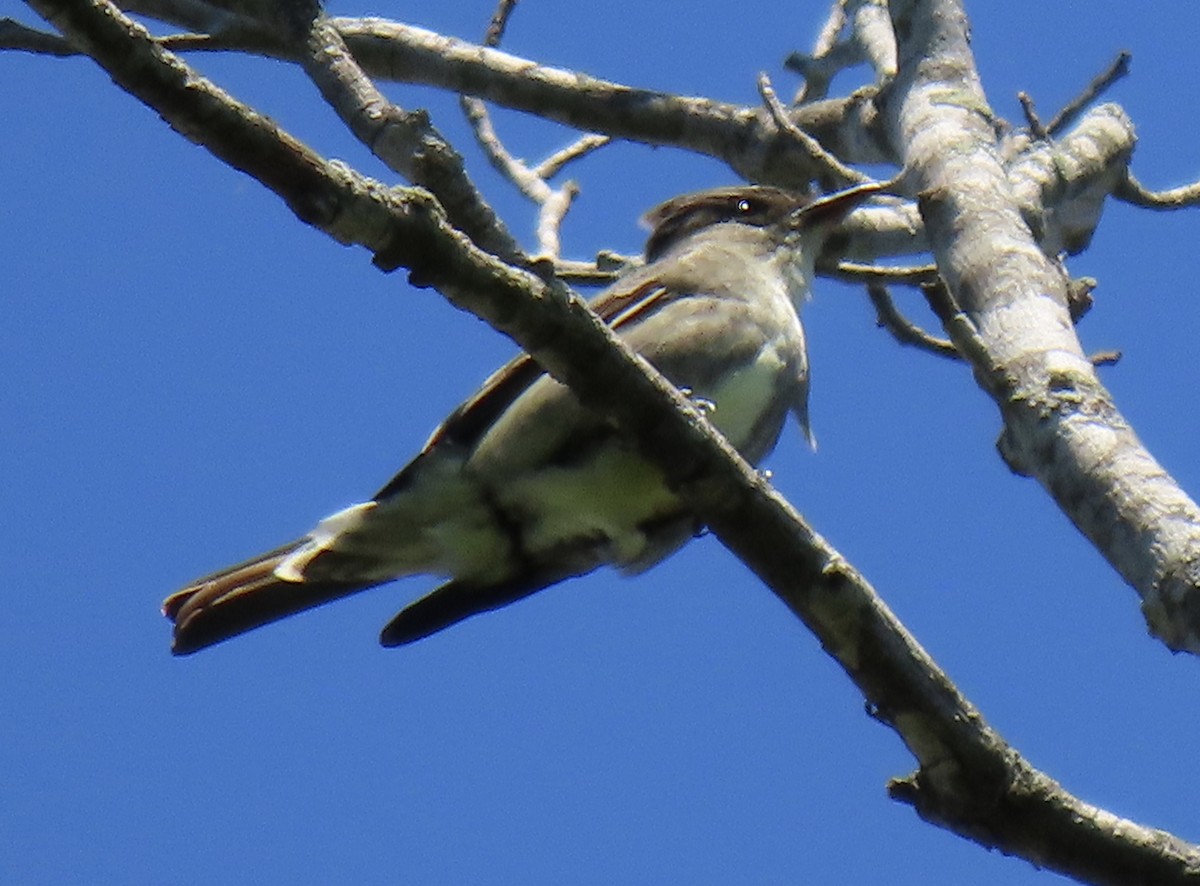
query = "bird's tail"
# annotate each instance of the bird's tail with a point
(246, 596)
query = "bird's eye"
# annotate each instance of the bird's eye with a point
(743, 206)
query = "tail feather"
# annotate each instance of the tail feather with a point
(453, 602)
(244, 597)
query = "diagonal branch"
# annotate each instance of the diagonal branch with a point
(1006, 309)
(830, 171)
(1061, 425)
(1102, 81)
(405, 140)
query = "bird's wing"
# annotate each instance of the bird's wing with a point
(543, 423)
(469, 422)
(705, 343)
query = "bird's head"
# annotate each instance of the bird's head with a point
(753, 205)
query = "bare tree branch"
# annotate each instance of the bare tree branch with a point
(553, 203)
(870, 38)
(1036, 128)
(829, 56)
(1135, 193)
(1061, 186)
(577, 150)
(831, 172)
(904, 330)
(1072, 175)
(1060, 423)
(1105, 79)
(873, 32)
(14, 35)
(405, 141)
(913, 275)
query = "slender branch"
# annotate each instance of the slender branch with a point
(1132, 191)
(870, 38)
(830, 170)
(739, 136)
(1036, 127)
(499, 23)
(1099, 85)
(553, 204)
(828, 35)
(913, 275)
(406, 141)
(583, 273)
(577, 150)
(904, 330)
(819, 69)
(873, 32)
(826, 60)
(14, 35)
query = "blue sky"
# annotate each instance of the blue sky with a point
(190, 376)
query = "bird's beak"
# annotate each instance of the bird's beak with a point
(832, 208)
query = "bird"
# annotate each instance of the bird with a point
(522, 487)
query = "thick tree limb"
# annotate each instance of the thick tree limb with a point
(1061, 425)
(1007, 313)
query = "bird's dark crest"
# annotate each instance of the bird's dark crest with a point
(678, 217)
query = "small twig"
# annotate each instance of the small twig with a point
(527, 182)
(496, 27)
(550, 218)
(233, 39)
(911, 275)
(904, 330)
(831, 30)
(1105, 358)
(1079, 297)
(830, 170)
(582, 273)
(577, 150)
(818, 68)
(818, 71)
(14, 35)
(532, 182)
(1110, 75)
(1132, 191)
(1031, 116)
